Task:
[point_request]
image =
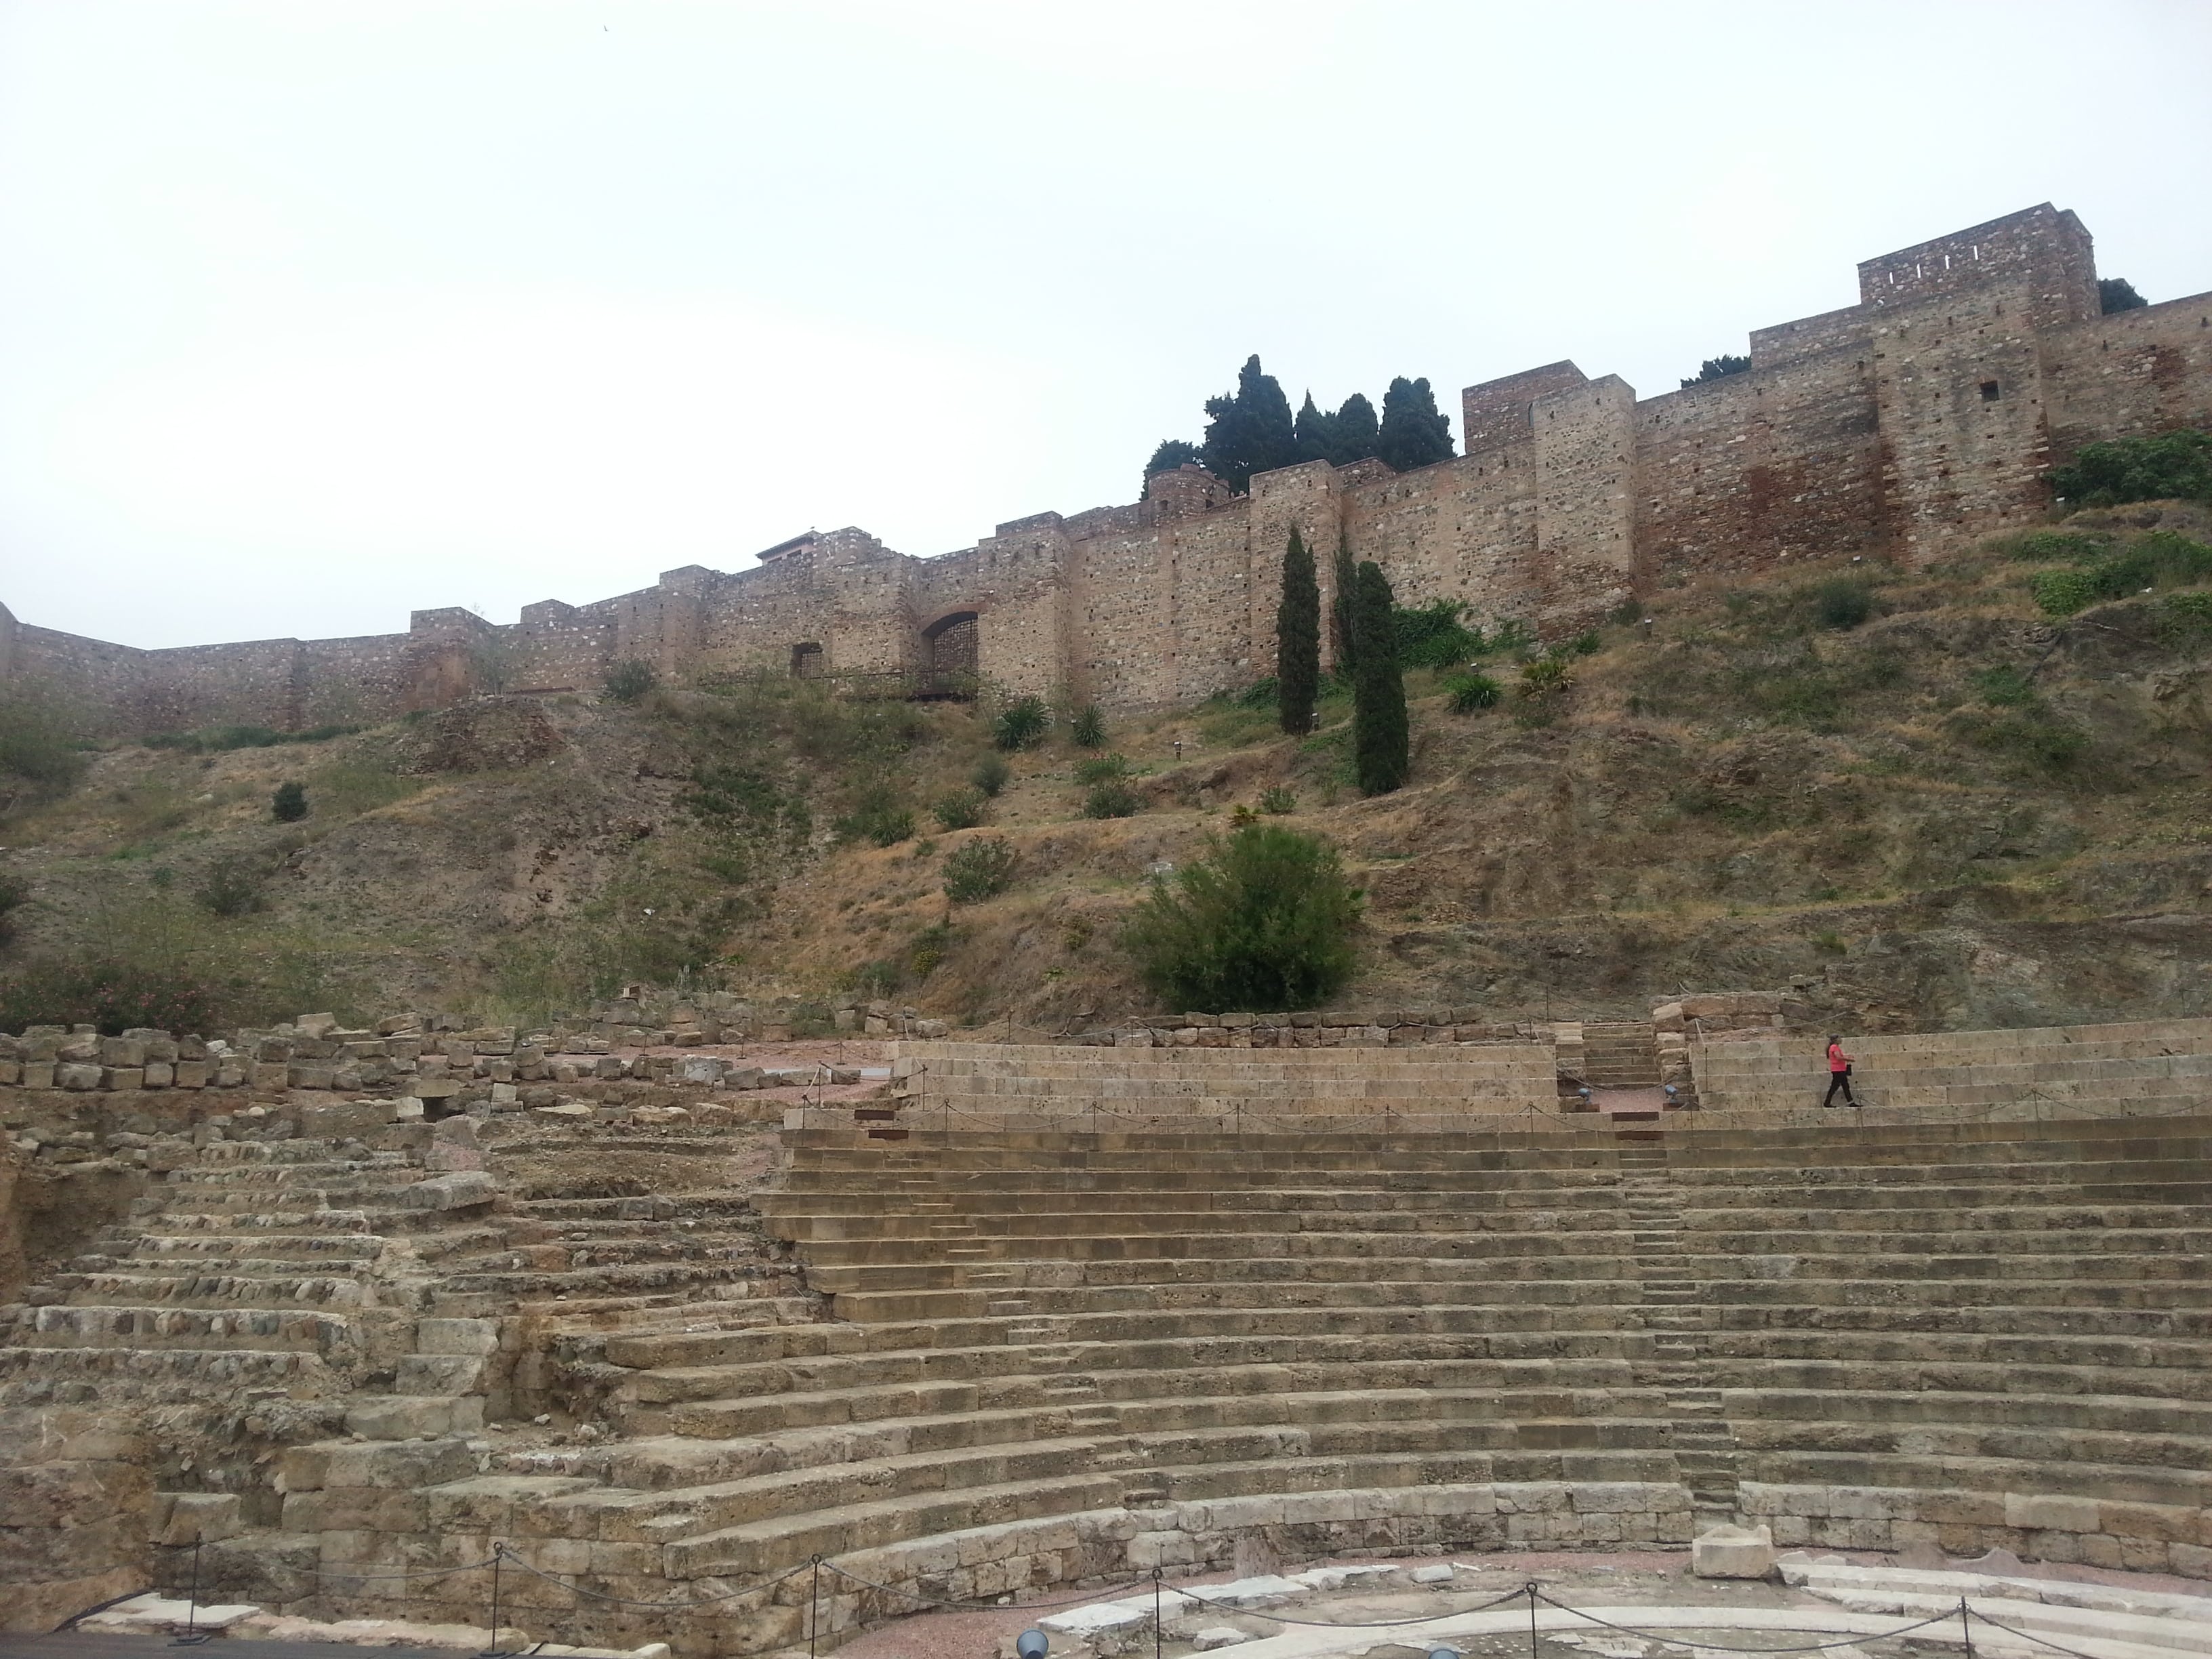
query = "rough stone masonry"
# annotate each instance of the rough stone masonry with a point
(1928, 410)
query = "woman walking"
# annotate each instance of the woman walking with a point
(1839, 1073)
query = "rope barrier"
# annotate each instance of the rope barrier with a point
(1536, 1594)
(1532, 1590)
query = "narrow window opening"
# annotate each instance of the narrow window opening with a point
(1989, 392)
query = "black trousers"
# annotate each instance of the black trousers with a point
(1838, 1080)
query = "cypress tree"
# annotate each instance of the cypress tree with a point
(1250, 429)
(1298, 639)
(1381, 750)
(1316, 433)
(1413, 433)
(1345, 580)
(1352, 433)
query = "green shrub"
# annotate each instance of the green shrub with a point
(1261, 694)
(1545, 678)
(1842, 602)
(1470, 692)
(289, 803)
(1096, 768)
(976, 869)
(1511, 638)
(1021, 723)
(2035, 546)
(2005, 688)
(1587, 643)
(36, 744)
(1110, 798)
(232, 886)
(959, 809)
(1278, 800)
(2186, 613)
(2160, 559)
(2173, 466)
(631, 680)
(1088, 728)
(15, 894)
(1432, 636)
(878, 816)
(116, 993)
(2034, 735)
(1262, 923)
(991, 775)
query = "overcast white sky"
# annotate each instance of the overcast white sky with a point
(313, 313)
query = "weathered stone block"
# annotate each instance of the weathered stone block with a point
(1733, 1552)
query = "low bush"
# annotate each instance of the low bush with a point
(2160, 559)
(2172, 466)
(1110, 798)
(959, 809)
(1433, 635)
(878, 816)
(2004, 688)
(1842, 602)
(1262, 922)
(1021, 723)
(977, 869)
(991, 775)
(1470, 692)
(1096, 768)
(1278, 800)
(631, 680)
(37, 745)
(114, 992)
(232, 885)
(289, 803)
(1088, 728)
(1544, 677)
(15, 894)
(2043, 741)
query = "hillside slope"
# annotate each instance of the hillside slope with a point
(1962, 809)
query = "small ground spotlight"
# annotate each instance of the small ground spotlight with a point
(1034, 1644)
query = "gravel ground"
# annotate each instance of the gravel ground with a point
(1576, 1578)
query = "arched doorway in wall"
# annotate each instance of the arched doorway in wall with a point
(951, 669)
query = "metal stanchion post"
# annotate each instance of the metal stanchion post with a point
(1966, 1625)
(813, 1607)
(492, 1651)
(1156, 1612)
(1532, 1618)
(192, 1637)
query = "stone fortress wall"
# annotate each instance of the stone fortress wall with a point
(1927, 412)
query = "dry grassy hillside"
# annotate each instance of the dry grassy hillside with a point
(1961, 810)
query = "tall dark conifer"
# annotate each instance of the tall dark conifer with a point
(1316, 433)
(1413, 433)
(1297, 638)
(1352, 431)
(1250, 429)
(1381, 744)
(1345, 579)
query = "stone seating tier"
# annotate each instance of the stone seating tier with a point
(2145, 1066)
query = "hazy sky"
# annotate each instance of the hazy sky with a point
(314, 312)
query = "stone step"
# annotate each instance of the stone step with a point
(1542, 1396)
(2167, 1425)
(1507, 1273)
(1133, 1291)
(1025, 1366)
(235, 1249)
(214, 1290)
(127, 1328)
(107, 1375)
(772, 1342)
